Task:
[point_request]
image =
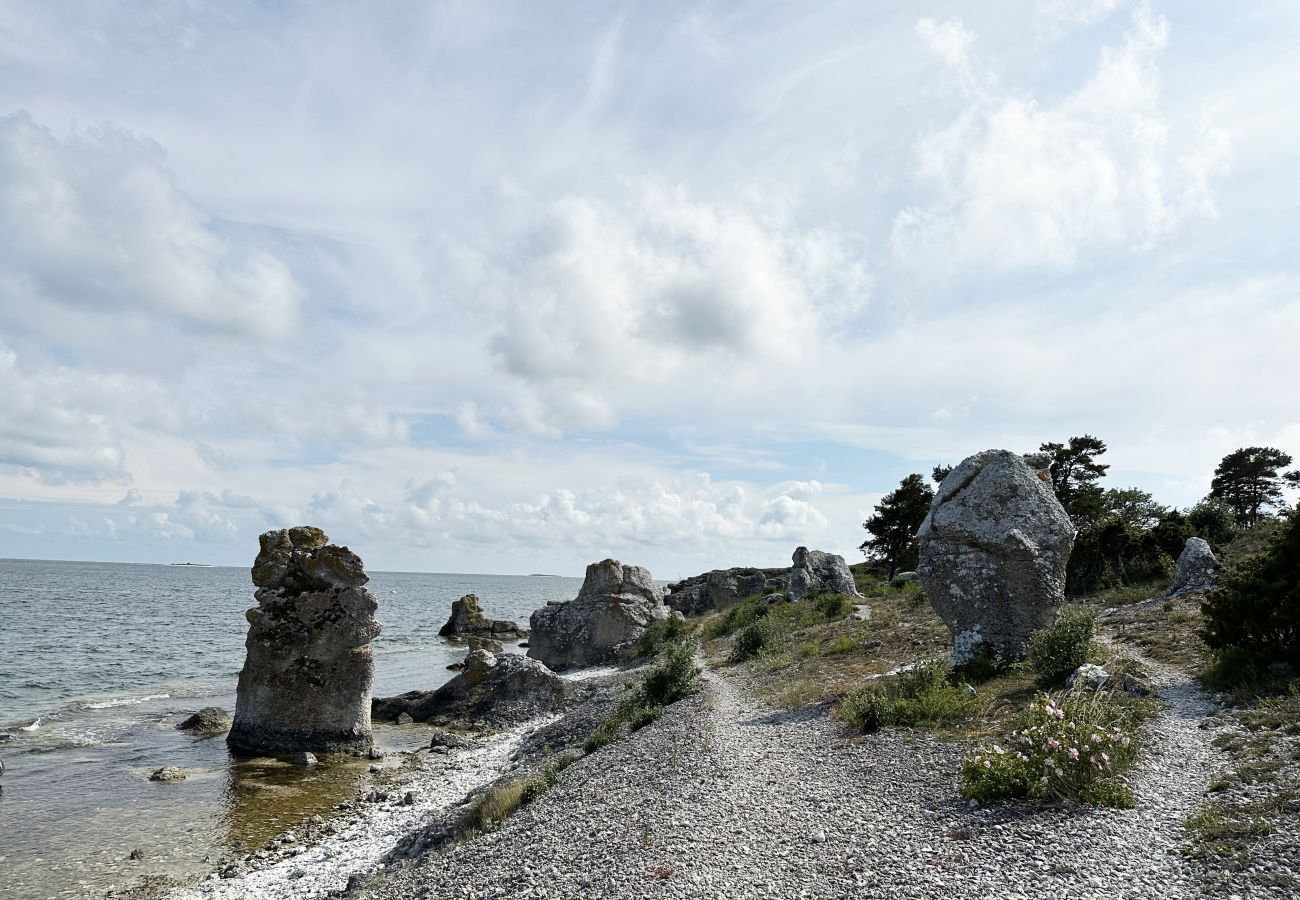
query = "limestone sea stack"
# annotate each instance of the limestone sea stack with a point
(307, 677)
(609, 615)
(994, 547)
(467, 618)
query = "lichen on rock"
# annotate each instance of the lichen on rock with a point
(308, 673)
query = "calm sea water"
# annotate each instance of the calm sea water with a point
(99, 661)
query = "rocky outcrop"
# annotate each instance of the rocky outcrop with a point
(817, 572)
(307, 676)
(169, 774)
(467, 618)
(494, 689)
(993, 552)
(722, 587)
(609, 615)
(1196, 569)
(209, 720)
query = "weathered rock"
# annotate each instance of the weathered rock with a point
(169, 774)
(816, 572)
(1087, 677)
(2, 766)
(609, 615)
(721, 588)
(497, 688)
(1195, 570)
(404, 719)
(485, 644)
(307, 676)
(305, 759)
(449, 740)
(467, 618)
(993, 552)
(208, 720)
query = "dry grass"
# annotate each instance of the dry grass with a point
(1168, 631)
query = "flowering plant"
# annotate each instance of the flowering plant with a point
(1062, 746)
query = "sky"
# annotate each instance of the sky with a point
(513, 287)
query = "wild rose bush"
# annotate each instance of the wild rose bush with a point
(1073, 745)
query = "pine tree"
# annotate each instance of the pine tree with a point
(893, 526)
(1249, 481)
(1075, 472)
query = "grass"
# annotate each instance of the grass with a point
(505, 798)
(925, 695)
(671, 679)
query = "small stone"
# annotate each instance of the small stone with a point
(169, 774)
(818, 837)
(404, 719)
(136, 854)
(305, 759)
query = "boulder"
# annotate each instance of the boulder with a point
(816, 572)
(609, 615)
(169, 774)
(480, 643)
(1087, 677)
(1195, 570)
(209, 720)
(307, 676)
(993, 551)
(467, 618)
(497, 688)
(721, 588)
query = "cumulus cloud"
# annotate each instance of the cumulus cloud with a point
(96, 222)
(1019, 182)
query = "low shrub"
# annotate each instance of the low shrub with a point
(661, 634)
(986, 664)
(1070, 746)
(846, 644)
(607, 732)
(767, 633)
(924, 695)
(673, 678)
(1255, 609)
(499, 802)
(642, 716)
(1056, 651)
(830, 606)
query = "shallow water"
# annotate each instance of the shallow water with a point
(98, 662)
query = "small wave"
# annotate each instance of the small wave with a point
(124, 701)
(32, 727)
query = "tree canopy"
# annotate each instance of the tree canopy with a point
(893, 525)
(1075, 473)
(1250, 482)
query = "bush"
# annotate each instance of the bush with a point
(1213, 520)
(607, 732)
(1255, 609)
(986, 663)
(661, 633)
(1056, 651)
(1065, 747)
(831, 606)
(499, 802)
(673, 678)
(925, 695)
(642, 716)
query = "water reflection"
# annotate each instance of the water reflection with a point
(265, 797)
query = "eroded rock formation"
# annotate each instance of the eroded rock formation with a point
(817, 572)
(494, 688)
(467, 618)
(1196, 569)
(722, 587)
(307, 676)
(609, 615)
(207, 721)
(993, 552)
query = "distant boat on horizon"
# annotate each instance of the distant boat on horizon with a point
(194, 565)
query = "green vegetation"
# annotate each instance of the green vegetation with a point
(1062, 746)
(763, 627)
(503, 799)
(894, 523)
(1249, 481)
(1056, 651)
(1253, 616)
(661, 634)
(924, 695)
(671, 679)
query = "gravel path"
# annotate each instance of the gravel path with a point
(725, 797)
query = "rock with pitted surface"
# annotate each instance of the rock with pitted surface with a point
(720, 588)
(467, 618)
(307, 677)
(815, 572)
(1196, 569)
(993, 550)
(207, 721)
(495, 689)
(601, 625)
(169, 774)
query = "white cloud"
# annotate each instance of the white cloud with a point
(1019, 182)
(96, 222)
(1077, 12)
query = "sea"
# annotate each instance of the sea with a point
(100, 661)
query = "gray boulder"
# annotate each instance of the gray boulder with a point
(993, 552)
(207, 721)
(494, 688)
(815, 572)
(169, 774)
(307, 676)
(720, 588)
(467, 618)
(609, 615)
(1196, 569)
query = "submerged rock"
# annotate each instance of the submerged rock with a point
(467, 618)
(609, 615)
(993, 552)
(1196, 568)
(817, 572)
(307, 677)
(496, 688)
(209, 720)
(169, 774)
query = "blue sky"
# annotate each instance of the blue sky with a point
(510, 287)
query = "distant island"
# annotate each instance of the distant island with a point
(542, 575)
(194, 565)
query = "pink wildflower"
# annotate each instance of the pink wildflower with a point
(1074, 754)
